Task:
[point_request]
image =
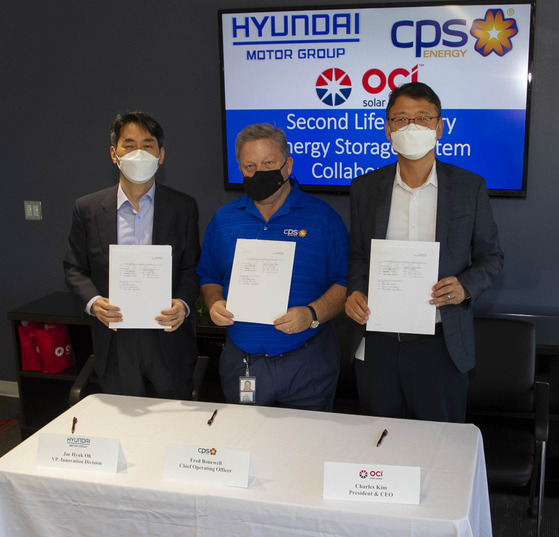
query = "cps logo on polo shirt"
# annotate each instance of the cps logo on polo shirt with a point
(295, 232)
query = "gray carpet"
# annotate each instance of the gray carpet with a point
(10, 435)
(508, 513)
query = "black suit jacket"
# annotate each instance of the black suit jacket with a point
(86, 264)
(466, 231)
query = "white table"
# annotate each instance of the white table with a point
(288, 449)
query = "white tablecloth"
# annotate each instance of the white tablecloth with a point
(288, 449)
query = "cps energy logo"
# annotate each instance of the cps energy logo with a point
(449, 38)
(295, 232)
(207, 451)
(494, 33)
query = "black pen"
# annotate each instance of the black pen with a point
(211, 420)
(384, 433)
(74, 421)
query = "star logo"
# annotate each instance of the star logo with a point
(333, 86)
(213, 451)
(493, 34)
(303, 233)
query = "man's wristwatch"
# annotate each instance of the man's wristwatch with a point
(315, 322)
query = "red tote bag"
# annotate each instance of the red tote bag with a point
(55, 348)
(30, 357)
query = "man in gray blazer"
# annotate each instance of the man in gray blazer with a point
(138, 210)
(420, 198)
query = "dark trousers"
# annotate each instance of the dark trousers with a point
(410, 379)
(136, 366)
(305, 378)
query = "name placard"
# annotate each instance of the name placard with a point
(371, 483)
(76, 452)
(208, 465)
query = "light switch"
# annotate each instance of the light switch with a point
(33, 210)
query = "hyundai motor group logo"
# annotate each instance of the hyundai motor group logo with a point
(333, 87)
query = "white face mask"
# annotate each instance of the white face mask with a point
(413, 142)
(138, 166)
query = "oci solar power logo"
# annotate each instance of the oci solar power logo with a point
(333, 86)
(363, 474)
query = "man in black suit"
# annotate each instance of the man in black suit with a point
(420, 198)
(138, 210)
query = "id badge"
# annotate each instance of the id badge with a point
(247, 389)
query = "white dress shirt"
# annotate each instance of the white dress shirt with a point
(413, 212)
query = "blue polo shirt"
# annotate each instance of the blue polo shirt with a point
(321, 257)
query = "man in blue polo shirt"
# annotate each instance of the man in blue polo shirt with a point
(295, 362)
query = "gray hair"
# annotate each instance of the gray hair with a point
(262, 131)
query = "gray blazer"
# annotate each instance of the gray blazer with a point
(466, 231)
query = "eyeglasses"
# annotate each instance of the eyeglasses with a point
(421, 121)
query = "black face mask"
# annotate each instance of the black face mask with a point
(263, 183)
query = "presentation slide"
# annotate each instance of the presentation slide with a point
(324, 76)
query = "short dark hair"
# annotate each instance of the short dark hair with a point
(262, 131)
(139, 118)
(415, 90)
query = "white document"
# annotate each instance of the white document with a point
(140, 283)
(260, 280)
(401, 278)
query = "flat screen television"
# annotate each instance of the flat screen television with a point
(324, 75)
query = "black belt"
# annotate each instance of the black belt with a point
(320, 332)
(413, 337)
